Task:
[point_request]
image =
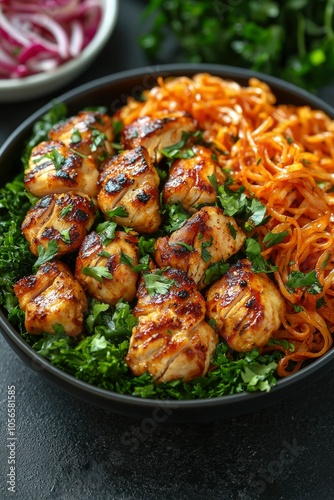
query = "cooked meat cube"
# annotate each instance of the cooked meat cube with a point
(246, 306)
(53, 168)
(205, 238)
(171, 340)
(156, 133)
(89, 132)
(189, 180)
(130, 182)
(51, 298)
(65, 218)
(102, 268)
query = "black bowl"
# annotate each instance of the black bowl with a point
(113, 91)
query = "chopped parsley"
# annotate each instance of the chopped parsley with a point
(126, 259)
(205, 254)
(47, 254)
(232, 230)
(65, 211)
(189, 248)
(272, 239)
(97, 272)
(176, 217)
(76, 136)
(98, 139)
(216, 271)
(237, 204)
(288, 346)
(156, 283)
(117, 212)
(57, 159)
(65, 235)
(310, 281)
(106, 231)
(213, 179)
(257, 214)
(177, 150)
(143, 265)
(320, 302)
(104, 253)
(117, 126)
(42, 128)
(259, 263)
(146, 245)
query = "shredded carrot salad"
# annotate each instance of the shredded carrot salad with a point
(284, 156)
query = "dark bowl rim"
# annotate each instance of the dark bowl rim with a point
(38, 363)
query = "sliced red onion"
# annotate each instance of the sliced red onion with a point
(44, 65)
(38, 35)
(7, 64)
(33, 50)
(11, 33)
(55, 29)
(30, 30)
(77, 39)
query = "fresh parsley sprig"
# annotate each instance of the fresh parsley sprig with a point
(235, 203)
(118, 212)
(156, 283)
(106, 231)
(310, 281)
(178, 150)
(46, 254)
(272, 239)
(259, 263)
(215, 272)
(175, 217)
(97, 272)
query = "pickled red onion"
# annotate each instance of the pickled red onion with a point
(39, 35)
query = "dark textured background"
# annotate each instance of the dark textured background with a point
(69, 450)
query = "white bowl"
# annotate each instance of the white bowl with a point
(23, 89)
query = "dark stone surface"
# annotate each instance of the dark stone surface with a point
(68, 450)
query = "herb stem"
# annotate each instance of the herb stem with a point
(301, 36)
(328, 18)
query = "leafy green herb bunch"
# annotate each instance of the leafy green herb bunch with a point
(291, 39)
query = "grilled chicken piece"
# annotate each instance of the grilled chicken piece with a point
(246, 306)
(157, 133)
(130, 181)
(52, 297)
(189, 180)
(65, 218)
(89, 132)
(204, 239)
(53, 168)
(101, 269)
(171, 340)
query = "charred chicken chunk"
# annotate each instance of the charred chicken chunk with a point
(171, 340)
(157, 133)
(189, 180)
(51, 298)
(89, 132)
(104, 268)
(205, 239)
(53, 168)
(130, 183)
(246, 306)
(65, 218)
